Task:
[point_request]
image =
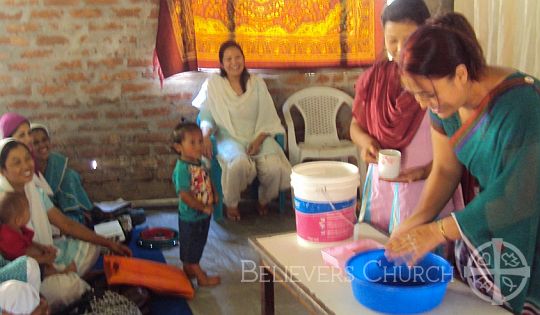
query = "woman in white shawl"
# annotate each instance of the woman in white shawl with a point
(238, 108)
(16, 174)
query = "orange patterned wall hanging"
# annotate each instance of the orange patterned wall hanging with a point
(273, 33)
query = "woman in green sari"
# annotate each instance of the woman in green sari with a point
(69, 194)
(487, 119)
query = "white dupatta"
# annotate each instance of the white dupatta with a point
(220, 98)
(39, 222)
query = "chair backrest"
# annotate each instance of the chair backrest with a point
(319, 107)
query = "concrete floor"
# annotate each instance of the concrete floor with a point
(226, 252)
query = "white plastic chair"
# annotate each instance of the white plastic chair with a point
(319, 107)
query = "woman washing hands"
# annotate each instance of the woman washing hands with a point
(486, 118)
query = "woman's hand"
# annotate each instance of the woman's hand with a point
(255, 146)
(409, 247)
(412, 174)
(46, 248)
(50, 249)
(369, 150)
(208, 209)
(207, 147)
(43, 254)
(79, 231)
(369, 147)
(415, 220)
(46, 258)
(119, 249)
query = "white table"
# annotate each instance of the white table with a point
(320, 289)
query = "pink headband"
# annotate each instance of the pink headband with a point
(9, 122)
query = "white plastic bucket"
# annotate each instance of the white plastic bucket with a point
(325, 200)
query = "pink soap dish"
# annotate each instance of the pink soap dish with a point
(337, 256)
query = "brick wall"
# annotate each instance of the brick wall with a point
(83, 68)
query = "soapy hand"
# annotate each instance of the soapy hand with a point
(413, 245)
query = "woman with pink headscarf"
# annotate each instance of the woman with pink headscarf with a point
(18, 127)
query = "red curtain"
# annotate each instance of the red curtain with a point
(273, 33)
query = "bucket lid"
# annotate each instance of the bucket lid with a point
(325, 172)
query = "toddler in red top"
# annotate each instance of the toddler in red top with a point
(16, 238)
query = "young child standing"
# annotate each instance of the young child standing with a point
(16, 238)
(192, 182)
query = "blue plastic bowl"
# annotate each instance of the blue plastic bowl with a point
(385, 287)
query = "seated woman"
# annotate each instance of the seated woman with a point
(77, 244)
(69, 194)
(387, 117)
(18, 127)
(239, 109)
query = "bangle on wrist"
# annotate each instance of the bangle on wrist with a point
(441, 229)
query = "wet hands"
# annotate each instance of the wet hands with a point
(411, 246)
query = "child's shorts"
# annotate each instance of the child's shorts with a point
(192, 237)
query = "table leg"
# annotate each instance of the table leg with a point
(267, 292)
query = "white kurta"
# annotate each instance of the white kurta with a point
(238, 120)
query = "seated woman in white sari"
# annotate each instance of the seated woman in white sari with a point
(78, 243)
(237, 106)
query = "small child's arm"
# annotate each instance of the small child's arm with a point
(192, 202)
(45, 248)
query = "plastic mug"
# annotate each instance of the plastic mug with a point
(389, 163)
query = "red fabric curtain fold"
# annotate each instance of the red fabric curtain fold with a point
(175, 39)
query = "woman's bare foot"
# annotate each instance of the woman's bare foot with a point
(232, 213)
(203, 280)
(208, 281)
(262, 209)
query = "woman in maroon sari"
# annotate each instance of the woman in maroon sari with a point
(387, 117)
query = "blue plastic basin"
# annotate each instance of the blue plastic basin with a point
(385, 287)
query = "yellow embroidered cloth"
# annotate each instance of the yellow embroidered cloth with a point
(272, 33)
